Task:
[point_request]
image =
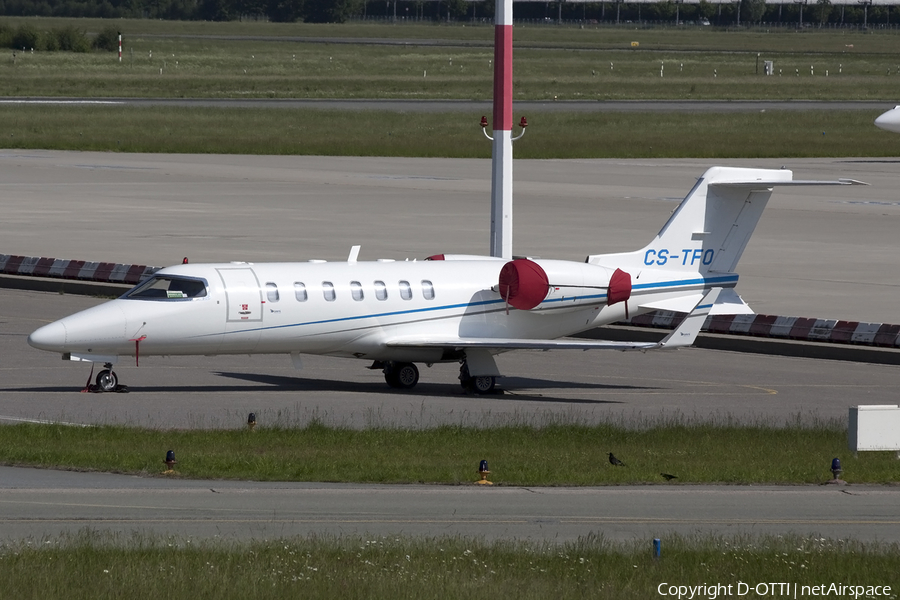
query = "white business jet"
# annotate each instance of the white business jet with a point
(889, 121)
(446, 309)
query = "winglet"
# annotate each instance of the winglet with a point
(687, 330)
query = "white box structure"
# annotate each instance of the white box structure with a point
(874, 427)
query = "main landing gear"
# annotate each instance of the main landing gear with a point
(401, 375)
(482, 384)
(106, 381)
(404, 376)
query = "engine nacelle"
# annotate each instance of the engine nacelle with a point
(559, 285)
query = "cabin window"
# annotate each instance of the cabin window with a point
(300, 291)
(356, 290)
(162, 287)
(405, 290)
(427, 289)
(380, 290)
(272, 292)
(328, 291)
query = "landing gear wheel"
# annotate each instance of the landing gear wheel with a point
(390, 376)
(407, 375)
(107, 380)
(465, 380)
(483, 384)
(401, 375)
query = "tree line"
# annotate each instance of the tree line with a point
(744, 12)
(27, 37)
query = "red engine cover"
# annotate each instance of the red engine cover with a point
(523, 284)
(619, 287)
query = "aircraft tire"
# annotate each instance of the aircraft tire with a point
(465, 380)
(407, 375)
(107, 380)
(390, 377)
(483, 384)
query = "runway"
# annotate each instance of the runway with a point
(825, 253)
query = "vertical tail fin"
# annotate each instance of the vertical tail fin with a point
(709, 230)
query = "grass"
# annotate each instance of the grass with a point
(521, 455)
(91, 565)
(264, 61)
(456, 135)
(269, 60)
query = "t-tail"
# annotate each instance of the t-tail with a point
(708, 232)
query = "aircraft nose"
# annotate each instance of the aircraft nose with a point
(890, 120)
(49, 337)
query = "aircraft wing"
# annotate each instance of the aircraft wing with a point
(683, 335)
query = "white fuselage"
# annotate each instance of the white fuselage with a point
(350, 309)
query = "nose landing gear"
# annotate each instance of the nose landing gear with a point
(106, 381)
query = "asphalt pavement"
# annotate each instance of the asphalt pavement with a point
(827, 253)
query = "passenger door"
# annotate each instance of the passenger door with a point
(243, 313)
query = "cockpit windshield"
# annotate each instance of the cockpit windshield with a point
(165, 287)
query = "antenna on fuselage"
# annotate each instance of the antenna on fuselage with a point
(501, 150)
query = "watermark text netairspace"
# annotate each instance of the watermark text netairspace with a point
(711, 591)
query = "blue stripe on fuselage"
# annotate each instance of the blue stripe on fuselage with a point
(721, 280)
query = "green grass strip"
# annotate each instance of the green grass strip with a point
(769, 134)
(93, 566)
(522, 455)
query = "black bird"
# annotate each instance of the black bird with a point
(615, 461)
(668, 476)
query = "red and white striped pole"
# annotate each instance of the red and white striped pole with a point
(501, 152)
(120, 47)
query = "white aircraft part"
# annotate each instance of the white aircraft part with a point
(481, 363)
(297, 361)
(709, 230)
(687, 330)
(683, 335)
(683, 304)
(354, 254)
(889, 121)
(730, 303)
(97, 358)
(243, 294)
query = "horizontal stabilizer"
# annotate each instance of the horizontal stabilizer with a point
(728, 303)
(795, 182)
(682, 304)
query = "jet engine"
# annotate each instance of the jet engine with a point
(535, 284)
